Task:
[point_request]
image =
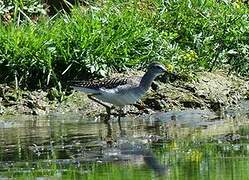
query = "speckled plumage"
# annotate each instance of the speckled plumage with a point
(108, 83)
(121, 91)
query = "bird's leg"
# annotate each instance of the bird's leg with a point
(108, 108)
(120, 111)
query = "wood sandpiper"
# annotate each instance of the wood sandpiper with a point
(120, 91)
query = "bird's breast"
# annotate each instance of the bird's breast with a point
(120, 98)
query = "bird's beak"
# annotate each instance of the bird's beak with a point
(169, 73)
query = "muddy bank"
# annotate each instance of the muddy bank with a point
(214, 91)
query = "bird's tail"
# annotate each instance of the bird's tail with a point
(85, 90)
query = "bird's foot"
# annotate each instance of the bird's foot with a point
(122, 114)
(105, 117)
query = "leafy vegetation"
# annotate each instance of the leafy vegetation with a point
(116, 35)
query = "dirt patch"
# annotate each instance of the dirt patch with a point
(213, 91)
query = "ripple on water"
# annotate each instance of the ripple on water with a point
(191, 142)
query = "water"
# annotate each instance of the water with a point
(175, 145)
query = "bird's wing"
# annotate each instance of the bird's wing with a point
(108, 83)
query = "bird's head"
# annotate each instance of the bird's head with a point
(157, 68)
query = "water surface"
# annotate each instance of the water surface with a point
(192, 144)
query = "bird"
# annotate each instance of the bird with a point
(120, 91)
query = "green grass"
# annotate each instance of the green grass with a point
(116, 35)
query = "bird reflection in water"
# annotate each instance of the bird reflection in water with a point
(126, 148)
